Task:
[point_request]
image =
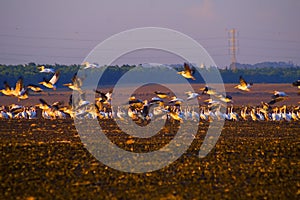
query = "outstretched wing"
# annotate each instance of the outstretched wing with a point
(44, 102)
(55, 78)
(188, 69)
(242, 81)
(19, 85)
(6, 86)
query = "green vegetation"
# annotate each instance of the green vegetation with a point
(259, 73)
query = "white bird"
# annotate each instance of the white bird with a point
(243, 85)
(187, 72)
(278, 96)
(192, 95)
(46, 70)
(88, 65)
(51, 83)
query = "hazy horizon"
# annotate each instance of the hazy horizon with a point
(49, 32)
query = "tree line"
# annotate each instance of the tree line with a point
(112, 74)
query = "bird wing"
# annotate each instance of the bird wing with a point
(296, 83)
(19, 85)
(6, 86)
(55, 78)
(76, 81)
(187, 68)
(44, 102)
(242, 81)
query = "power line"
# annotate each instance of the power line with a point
(56, 56)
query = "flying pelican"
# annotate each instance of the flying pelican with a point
(162, 95)
(212, 103)
(156, 100)
(225, 99)
(175, 100)
(88, 65)
(135, 103)
(23, 94)
(20, 92)
(34, 88)
(46, 70)
(76, 83)
(192, 95)
(7, 89)
(51, 83)
(296, 84)
(208, 90)
(243, 85)
(104, 97)
(18, 88)
(187, 72)
(278, 96)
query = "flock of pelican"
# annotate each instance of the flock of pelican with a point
(161, 106)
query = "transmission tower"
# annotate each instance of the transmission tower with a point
(233, 48)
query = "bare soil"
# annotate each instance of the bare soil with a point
(45, 159)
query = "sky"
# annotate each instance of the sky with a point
(64, 32)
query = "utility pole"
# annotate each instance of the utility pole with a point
(232, 48)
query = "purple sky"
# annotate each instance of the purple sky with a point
(66, 31)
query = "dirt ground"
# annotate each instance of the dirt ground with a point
(45, 159)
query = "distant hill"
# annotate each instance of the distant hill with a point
(266, 65)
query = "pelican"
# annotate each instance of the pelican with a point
(244, 113)
(296, 84)
(88, 65)
(135, 103)
(212, 103)
(192, 95)
(23, 94)
(243, 85)
(7, 89)
(162, 95)
(34, 88)
(286, 116)
(187, 72)
(225, 99)
(195, 116)
(20, 92)
(46, 70)
(121, 113)
(175, 100)
(176, 116)
(76, 83)
(208, 90)
(156, 100)
(278, 96)
(19, 87)
(51, 83)
(104, 97)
